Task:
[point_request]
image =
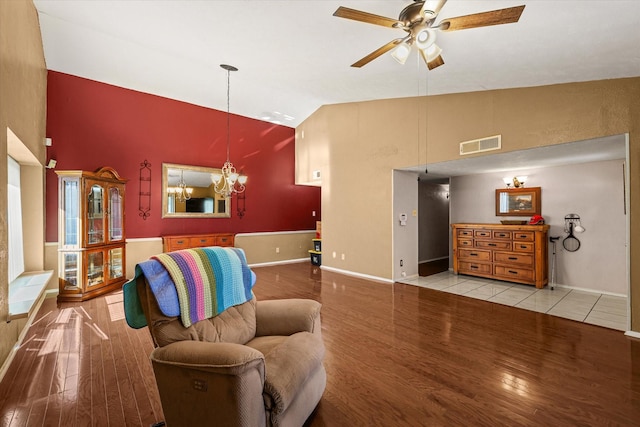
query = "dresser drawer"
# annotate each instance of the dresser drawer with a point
(476, 255)
(482, 233)
(474, 267)
(224, 240)
(465, 233)
(202, 241)
(468, 243)
(526, 236)
(488, 244)
(514, 273)
(522, 259)
(177, 244)
(499, 234)
(523, 246)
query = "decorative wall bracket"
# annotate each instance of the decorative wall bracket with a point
(144, 196)
(240, 204)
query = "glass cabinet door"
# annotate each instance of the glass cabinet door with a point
(70, 268)
(115, 214)
(95, 268)
(70, 202)
(116, 263)
(95, 215)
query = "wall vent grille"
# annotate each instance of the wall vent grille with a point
(480, 145)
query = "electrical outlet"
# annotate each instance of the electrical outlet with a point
(277, 250)
(401, 263)
(343, 257)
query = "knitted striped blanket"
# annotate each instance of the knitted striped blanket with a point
(208, 280)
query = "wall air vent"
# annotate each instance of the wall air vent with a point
(480, 145)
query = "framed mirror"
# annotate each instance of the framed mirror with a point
(188, 192)
(518, 201)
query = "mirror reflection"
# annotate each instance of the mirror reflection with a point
(188, 192)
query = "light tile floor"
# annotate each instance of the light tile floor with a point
(590, 307)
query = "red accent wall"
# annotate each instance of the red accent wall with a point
(94, 124)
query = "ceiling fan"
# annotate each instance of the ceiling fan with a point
(418, 20)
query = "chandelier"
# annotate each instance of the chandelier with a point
(228, 181)
(181, 192)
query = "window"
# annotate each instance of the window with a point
(14, 220)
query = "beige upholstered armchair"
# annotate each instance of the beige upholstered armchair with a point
(255, 364)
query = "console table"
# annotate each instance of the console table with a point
(514, 253)
(187, 241)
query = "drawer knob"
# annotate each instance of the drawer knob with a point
(513, 258)
(492, 244)
(473, 254)
(474, 266)
(513, 272)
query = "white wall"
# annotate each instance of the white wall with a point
(595, 191)
(405, 237)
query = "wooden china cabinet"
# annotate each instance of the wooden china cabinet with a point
(91, 233)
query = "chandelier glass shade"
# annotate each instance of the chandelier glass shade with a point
(228, 182)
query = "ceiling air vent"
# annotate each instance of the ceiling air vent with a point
(480, 145)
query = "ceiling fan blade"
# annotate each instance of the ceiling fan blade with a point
(369, 18)
(431, 8)
(484, 19)
(376, 53)
(433, 63)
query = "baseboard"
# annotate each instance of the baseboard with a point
(632, 334)
(351, 273)
(286, 261)
(593, 291)
(433, 259)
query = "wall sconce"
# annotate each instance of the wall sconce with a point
(517, 181)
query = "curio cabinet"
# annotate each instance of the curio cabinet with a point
(91, 233)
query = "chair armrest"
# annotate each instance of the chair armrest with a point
(287, 317)
(224, 358)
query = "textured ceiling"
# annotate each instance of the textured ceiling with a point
(294, 56)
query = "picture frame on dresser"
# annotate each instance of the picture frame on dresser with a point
(518, 201)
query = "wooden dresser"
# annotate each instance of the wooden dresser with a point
(187, 241)
(514, 253)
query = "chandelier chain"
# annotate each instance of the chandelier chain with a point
(228, 111)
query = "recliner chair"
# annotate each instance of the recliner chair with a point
(255, 364)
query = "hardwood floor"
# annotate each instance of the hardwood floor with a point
(397, 355)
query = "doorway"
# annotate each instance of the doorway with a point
(433, 231)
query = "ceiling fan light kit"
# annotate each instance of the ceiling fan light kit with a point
(401, 52)
(418, 20)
